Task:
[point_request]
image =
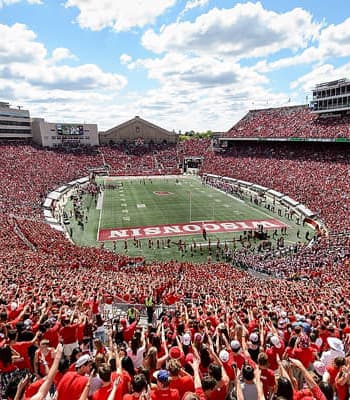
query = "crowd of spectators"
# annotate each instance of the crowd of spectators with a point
(295, 121)
(313, 175)
(278, 329)
(153, 159)
(226, 329)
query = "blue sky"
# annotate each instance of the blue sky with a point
(181, 64)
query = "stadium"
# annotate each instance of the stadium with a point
(250, 227)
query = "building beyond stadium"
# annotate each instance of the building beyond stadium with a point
(49, 134)
(137, 131)
(14, 123)
(330, 99)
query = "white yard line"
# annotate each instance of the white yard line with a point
(100, 207)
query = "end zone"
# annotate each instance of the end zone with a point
(191, 228)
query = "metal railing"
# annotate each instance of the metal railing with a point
(115, 311)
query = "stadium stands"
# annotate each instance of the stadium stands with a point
(300, 300)
(313, 175)
(295, 121)
(141, 160)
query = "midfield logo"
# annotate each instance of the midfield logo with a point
(163, 193)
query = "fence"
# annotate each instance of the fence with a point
(116, 310)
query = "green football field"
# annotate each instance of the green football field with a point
(165, 201)
(128, 205)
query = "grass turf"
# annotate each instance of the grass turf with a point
(134, 203)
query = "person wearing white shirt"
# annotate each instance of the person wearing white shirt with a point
(336, 350)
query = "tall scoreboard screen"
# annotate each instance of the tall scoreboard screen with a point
(70, 130)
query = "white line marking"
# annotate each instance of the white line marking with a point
(101, 211)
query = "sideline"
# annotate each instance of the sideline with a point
(100, 201)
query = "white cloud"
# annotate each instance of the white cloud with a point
(29, 76)
(200, 91)
(182, 107)
(246, 30)
(333, 42)
(193, 4)
(4, 3)
(125, 59)
(62, 53)
(200, 82)
(82, 77)
(18, 44)
(319, 74)
(120, 15)
(200, 71)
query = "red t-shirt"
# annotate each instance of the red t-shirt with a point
(341, 390)
(69, 333)
(102, 393)
(123, 386)
(272, 354)
(305, 355)
(131, 396)
(48, 358)
(165, 394)
(183, 384)
(220, 392)
(128, 331)
(229, 370)
(33, 388)
(9, 368)
(52, 334)
(332, 374)
(236, 358)
(71, 386)
(267, 378)
(22, 349)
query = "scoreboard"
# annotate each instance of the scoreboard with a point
(70, 130)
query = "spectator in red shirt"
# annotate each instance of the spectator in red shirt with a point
(68, 332)
(51, 332)
(276, 349)
(104, 372)
(163, 391)
(139, 388)
(37, 391)
(303, 351)
(179, 379)
(72, 383)
(43, 358)
(335, 374)
(128, 330)
(8, 357)
(22, 348)
(267, 375)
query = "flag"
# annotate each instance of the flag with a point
(204, 233)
